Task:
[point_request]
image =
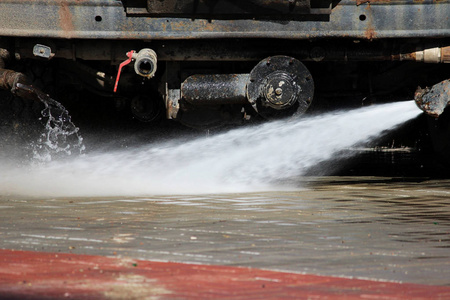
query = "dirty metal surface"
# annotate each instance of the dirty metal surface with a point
(215, 89)
(366, 228)
(433, 100)
(94, 19)
(280, 83)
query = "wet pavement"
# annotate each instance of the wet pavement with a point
(358, 227)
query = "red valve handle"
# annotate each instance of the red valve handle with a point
(130, 58)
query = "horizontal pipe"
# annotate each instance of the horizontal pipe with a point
(215, 89)
(10, 78)
(254, 50)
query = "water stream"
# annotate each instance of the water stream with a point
(251, 158)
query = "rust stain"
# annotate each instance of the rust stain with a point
(359, 2)
(445, 54)
(409, 56)
(65, 17)
(370, 33)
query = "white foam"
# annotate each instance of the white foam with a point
(241, 160)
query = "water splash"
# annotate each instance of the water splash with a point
(245, 159)
(60, 137)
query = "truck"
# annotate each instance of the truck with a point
(209, 63)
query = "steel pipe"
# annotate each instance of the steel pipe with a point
(215, 89)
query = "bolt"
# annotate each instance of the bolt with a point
(278, 91)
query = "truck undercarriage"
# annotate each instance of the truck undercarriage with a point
(208, 64)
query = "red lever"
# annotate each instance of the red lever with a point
(130, 58)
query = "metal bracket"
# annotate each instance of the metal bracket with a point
(43, 51)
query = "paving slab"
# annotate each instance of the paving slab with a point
(37, 275)
(367, 228)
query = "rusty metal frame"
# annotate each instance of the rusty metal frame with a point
(107, 19)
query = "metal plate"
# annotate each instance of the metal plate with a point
(280, 85)
(106, 19)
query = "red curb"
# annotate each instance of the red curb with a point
(38, 275)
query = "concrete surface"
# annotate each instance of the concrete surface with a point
(367, 227)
